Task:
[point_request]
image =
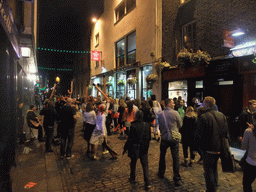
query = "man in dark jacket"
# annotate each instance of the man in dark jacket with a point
(245, 118)
(68, 121)
(50, 115)
(139, 137)
(211, 127)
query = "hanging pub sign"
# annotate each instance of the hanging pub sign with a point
(95, 55)
(228, 40)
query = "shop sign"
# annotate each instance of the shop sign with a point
(228, 40)
(95, 55)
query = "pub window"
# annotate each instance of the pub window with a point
(189, 36)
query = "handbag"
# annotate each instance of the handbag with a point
(127, 124)
(227, 159)
(173, 136)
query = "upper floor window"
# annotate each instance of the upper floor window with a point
(97, 40)
(189, 36)
(124, 8)
(126, 48)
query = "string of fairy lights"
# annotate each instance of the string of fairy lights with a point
(61, 50)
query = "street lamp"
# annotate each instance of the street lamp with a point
(94, 19)
(57, 80)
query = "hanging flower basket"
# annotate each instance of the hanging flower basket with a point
(108, 84)
(161, 65)
(121, 83)
(152, 78)
(90, 87)
(132, 81)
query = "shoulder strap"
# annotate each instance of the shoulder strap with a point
(221, 137)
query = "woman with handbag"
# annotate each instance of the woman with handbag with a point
(249, 144)
(129, 116)
(137, 146)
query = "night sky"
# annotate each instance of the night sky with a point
(62, 25)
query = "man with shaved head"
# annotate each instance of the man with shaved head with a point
(68, 121)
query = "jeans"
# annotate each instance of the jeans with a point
(67, 135)
(175, 157)
(185, 151)
(248, 177)
(49, 134)
(144, 163)
(210, 171)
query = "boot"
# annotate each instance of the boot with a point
(185, 163)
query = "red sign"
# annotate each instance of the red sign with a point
(228, 40)
(95, 55)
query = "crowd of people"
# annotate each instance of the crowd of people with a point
(198, 125)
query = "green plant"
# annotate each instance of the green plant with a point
(152, 77)
(108, 84)
(121, 82)
(131, 81)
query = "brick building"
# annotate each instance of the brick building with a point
(227, 31)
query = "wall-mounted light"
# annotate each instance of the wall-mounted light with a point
(237, 33)
(25, 51)
(94, 19)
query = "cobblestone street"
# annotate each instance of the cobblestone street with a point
(84, 174)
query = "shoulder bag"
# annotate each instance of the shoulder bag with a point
(227, 159)
(174, 136)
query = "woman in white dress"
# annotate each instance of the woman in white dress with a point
(157, 109)
(99, 134)
(100, 131)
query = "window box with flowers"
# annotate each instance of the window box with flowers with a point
(187, 59)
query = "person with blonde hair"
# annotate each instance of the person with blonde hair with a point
(157, 109)
(121, 108)
(187, 135)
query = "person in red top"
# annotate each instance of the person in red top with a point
(129, 116)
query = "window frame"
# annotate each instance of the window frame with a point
(193, 35)
(97, 40)
(124, 3)
(125, 38)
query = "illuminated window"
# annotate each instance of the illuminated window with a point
(126, 48)
(189, 36)
(124, 8)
